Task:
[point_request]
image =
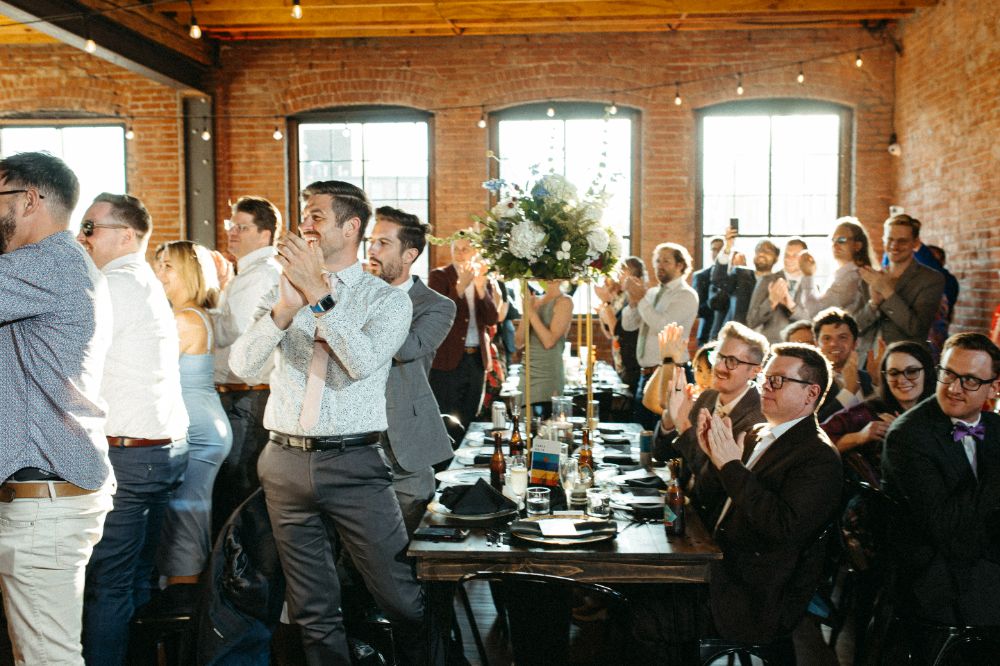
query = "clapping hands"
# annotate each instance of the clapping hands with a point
(715, 437)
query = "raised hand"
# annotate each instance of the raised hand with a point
(723, 448)
(635, 290)
(850, 372)
(302, 264)
(704, 426)
(777, 292)
(679, 400)
(807, 263)
(873, 363)
(672, 343)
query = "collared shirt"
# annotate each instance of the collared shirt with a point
(142, 381)
(405, 287)
(725, 410)
(969, 443)
(472, 330)
(678, 304)
(55, 330)
(257, 274)
(363, 330)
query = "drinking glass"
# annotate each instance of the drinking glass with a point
(603, 476)
(518, 471)
(598, 503)
(538, 501)
(569, 470)
(595, 416)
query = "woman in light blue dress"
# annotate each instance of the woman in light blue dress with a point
(551, 315)
(190, 280)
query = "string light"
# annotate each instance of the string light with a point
(613, 109)
(278, 136)
(195, 30)
(206, 135)
(129, 133)
(739, 83)
(801, 78)
(858, 61)
(90, 46)
(482, 119)
(677, 93)
(551, 112)
(296, 10)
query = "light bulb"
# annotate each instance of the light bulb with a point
(278, 136)
(482, 122)
(613, 109)
(739, 84)
(296, 10)
(550, 112)
(90, 45)
(858, 61)
(206, 135)
(677, 93)
(129, 134)
(801, 78)
(195, 30)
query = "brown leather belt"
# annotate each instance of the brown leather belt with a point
(235, 388)
(132, 442)
(15, 490)
(472, 350)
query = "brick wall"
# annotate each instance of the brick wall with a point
(277, 79)
(948, 121)
(59, 81)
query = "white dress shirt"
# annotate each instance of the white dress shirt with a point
(257, 274)
(142, 381)
(969, 444)
(363, 330)
(678, 304)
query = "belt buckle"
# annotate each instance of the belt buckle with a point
(7, 494)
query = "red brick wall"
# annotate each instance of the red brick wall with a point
(948, 121)
(59, 80)
(277, 79)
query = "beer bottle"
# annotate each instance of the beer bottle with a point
(498, 464)
(586, 452)
(516, 441)
(673, 509)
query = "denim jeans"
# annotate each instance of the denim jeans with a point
(122, 564)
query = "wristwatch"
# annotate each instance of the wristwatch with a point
(323, 305)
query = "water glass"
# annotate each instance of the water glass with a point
(598, 503)
(595, 416)
(539, 502)
(569, 470)
(603, 476)
(517, 470)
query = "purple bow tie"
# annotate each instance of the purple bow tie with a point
(963, 430)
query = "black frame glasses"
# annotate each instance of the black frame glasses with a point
(776, 382)
(731, 362)
(87, 227)
(969, 383)
(40, 196)
(911, 373)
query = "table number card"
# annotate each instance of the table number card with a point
(545, 462)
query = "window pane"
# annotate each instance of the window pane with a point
(95, 154)
(388, 160)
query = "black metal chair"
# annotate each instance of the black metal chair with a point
(538, 609)
(777, 653)
(939, 644)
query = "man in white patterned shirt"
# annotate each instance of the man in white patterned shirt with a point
(57, 480)
(252, 233)
(335, 328)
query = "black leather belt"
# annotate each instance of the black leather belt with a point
(339, 442)
(646, 372)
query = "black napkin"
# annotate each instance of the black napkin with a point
(646, 510)
(584, 528)
(609, 430)
(617, 441)
(475, 500)
(483, 459)
(618, 459)
(646, 482)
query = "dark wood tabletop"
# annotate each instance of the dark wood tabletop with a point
(641, 552)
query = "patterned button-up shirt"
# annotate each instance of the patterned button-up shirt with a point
(364, 329)
(55, 330)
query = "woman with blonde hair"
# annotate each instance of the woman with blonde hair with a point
(190, 281)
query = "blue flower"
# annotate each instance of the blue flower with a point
(539, 191)
(495, 184)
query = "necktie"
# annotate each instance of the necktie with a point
(313, 396)
(963, 430)
(644, 327)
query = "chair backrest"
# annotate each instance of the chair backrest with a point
(539, 612)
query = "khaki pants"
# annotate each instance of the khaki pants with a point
(45, 545)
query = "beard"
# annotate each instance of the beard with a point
(7, 227)
(388, 271)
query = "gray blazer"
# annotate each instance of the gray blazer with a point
(909, 312)
(767, 321)
(416, 432)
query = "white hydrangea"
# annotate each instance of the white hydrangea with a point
(558, 187)
(527, 240)
(614, 244)
(592, 213)
(563, 252)
(597, 241)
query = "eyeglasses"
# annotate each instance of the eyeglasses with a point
(910, 373)
(87, 227)
(968, 382)
(40, 196)
(239, 228)
(777, 381)
(731, 362)
(842, 240)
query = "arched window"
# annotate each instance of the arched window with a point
(781, 167)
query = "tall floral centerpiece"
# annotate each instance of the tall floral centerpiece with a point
(547, 231)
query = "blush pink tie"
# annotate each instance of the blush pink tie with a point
(313, 397)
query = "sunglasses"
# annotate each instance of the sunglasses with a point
(87, 227)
